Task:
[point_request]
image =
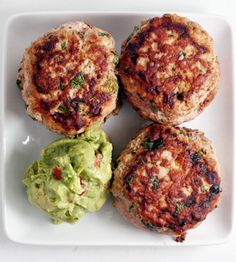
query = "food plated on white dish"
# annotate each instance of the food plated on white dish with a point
(23, 147)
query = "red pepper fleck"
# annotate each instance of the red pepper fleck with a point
(98, 160)
(81, 193)
(56, 172)
(82, 184)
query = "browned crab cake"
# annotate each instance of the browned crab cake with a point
(167, 180)
(67, 78)
(169, 69)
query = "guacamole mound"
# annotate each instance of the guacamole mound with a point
(71, 177)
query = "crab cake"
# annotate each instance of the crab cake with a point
(167, 180)
(169, 69)
(67, 78)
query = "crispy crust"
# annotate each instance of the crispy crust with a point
(169, 69)
(167, 180)
(68, 78)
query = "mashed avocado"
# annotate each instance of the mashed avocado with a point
(71, 177)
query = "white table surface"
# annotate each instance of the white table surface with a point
(10, 251)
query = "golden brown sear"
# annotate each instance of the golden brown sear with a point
(68, 79)
(167, 180)
(169, 69)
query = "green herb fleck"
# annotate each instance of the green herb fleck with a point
(179, 208)
(111, 85)
(182, 55)
(129, 179)
(116, 60)
(215, 189)
(131, 206)
(18, 83)
(136, 29)
(183, 223)
(63, 108)
(154, 109)
(104, 34)
(155, 182)
(195, 158)
(60, 59)
(147, 224)
(153, 144)
(129, 37)
(148, 144)
(140, 96)
(61, 85)
(202, 70)
(63, 46)
(77, 81)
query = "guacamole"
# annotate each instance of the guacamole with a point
(71, 177)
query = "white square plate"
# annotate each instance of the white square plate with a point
(23, 140)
